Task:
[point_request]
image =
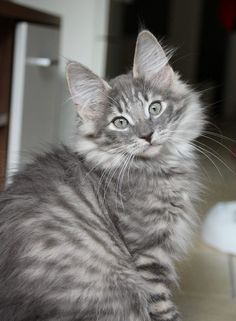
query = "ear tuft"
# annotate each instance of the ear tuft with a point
(149, 56)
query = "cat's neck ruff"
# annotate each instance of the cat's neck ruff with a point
(174, 161)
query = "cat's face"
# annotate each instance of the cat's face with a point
(146, 114)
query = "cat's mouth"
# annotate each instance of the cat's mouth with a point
(150, 150)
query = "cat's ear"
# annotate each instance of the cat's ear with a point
(88, 91)
(150, 58)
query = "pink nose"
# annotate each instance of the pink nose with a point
(147, 137)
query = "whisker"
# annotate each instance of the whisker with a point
(120, 148)
(219, 135)
(219, 143)
(206, 146)
(126, 163)
(112, 171)
(203, 152)
(220, 160)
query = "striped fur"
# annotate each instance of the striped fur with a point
(92, 232)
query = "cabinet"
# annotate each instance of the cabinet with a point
(33, 93)
(11, 15)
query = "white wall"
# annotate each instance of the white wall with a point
(83, 38)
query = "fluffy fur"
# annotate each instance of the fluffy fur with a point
(92, 233)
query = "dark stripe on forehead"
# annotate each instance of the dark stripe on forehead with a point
(134, 95)
(137, 96)
(145, 96)
(118, 106)
(124, 99)
(143, 90)
(114, 95)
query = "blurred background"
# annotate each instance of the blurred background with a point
(37, 37)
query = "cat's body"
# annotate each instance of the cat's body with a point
(63, 238)
(92, 234)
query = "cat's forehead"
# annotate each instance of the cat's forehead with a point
(129, 93)
(132, 97)
(128, 88)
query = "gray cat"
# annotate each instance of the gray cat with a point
(91, 233)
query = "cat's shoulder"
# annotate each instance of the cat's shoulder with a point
(58, 165)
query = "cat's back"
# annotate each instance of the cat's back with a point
(41, 174)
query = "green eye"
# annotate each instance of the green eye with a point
(120, 122)
(155, 108)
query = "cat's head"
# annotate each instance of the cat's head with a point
(148, 113)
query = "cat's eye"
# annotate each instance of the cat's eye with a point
(155, 108)
(120, 122)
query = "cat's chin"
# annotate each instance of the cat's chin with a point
(150, 151)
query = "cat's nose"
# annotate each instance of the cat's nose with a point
(147, 137)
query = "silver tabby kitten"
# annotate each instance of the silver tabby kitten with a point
(92, 233)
